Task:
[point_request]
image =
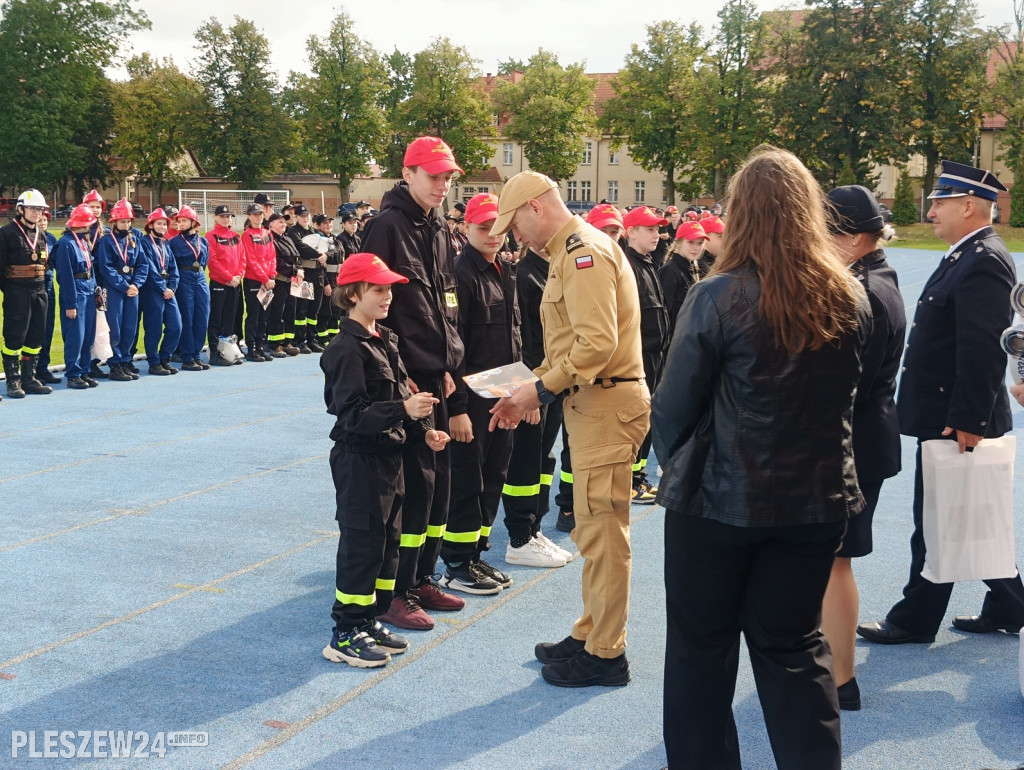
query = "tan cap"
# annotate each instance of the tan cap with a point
(523, 187)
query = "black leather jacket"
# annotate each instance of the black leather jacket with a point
(747, 434)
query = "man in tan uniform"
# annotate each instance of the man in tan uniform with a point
(591, 316)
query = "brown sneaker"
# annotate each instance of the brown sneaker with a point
(405, 612)
(428, 594)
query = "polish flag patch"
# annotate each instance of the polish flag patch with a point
(582, 262)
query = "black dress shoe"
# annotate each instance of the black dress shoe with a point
(586, 670)
(979, 624)
(849, 695)
(884, 632)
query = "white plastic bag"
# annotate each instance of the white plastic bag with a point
(968, 510)
(228, 349)
(101, 349)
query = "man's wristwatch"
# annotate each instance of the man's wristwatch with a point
(545, 395)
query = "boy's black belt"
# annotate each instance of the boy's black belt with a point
(84, 276)
(309, 264)
(606, 382)
(189, 268)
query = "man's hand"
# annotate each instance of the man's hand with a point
(509, 411)
(436, 439)
(419, 405)
(1017, 391)
(449, 385)
(966, 441)
(461, 428)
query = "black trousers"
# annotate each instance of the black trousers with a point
(369, 491)
(427, 489)
(653, 362)
(478, 475)
(766, 583)
(328, 321)
(43, 363)
(306, 310)
(24, 319)
(527, 491)
(924, 603)
(281, 315)
(223, 302)
(563, 498)
(255, 316)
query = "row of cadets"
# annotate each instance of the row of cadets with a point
(161, 319)
(23, 256)
(260, 269)
(76, 276)
(119, 259)
(191, 254)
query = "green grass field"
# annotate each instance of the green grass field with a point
(922, 236)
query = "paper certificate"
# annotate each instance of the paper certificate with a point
(501, 381)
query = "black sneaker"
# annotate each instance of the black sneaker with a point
(849, 695)
(158, 369)
(548, 652)
(484, 569)
(90, 381)
(97, 373)
(77, 383)
(566, 521)
(465, 578)
(132, 368)
(386, 639)
(586, 670)
(304, 349)
(639, 494)
(167, 365)
(117, 374)
(355, 648)
(192, 366)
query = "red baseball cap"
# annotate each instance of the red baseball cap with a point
(671, 210)
(690, 231)
(482, 208)
(713, 225)
(367, 267)
(642, 216)
(431, 154)
(604, 215)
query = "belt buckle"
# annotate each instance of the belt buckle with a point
(607, 382)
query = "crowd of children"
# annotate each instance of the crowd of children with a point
(417, 473)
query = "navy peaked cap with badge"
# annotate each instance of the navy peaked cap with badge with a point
(958, 179)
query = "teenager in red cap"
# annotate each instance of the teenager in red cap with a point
(682, 270)
(411, 236)
(376, 415)
(124, 268)
(608, 219)
(714, 227)
(76, 276)
(643, 234)
(191, 253)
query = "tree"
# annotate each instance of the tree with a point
(151, 127)
(243, 132)
(447, 101)
(946, 80)
(510, 65)
(904, 209)
(53, 89)
(734, 114)
(393, 101)
(1006, 98)
(655, 107)
(343, 121)
(550, 111)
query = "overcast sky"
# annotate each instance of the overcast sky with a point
(598, 31)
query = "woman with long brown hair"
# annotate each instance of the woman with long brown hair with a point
(753, 429)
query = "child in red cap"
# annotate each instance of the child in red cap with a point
(682, 270)
(365, 389)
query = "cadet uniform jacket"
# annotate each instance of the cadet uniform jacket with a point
(286, 256)
(954, 365)
(119, 259)
(531, 277)
(677, 276)
(22, 264)
(653, 313)
(226, 257)
(163, 270)
(488, 319)
(590, 310)
(260, 255)
(416, 244)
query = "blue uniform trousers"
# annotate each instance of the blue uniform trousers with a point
(123, 319)
(79, 332)
(161, 324)
(194, 305)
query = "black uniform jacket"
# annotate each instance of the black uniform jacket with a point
(653, 312)
(488, 319)
(287, 255)
(954, 365)
(531, 278)
(306, 252)
(351, 244)
(876, 428)
(364, 388)
(17, 252)
(416, 244)
(677, 276)
(749, 435)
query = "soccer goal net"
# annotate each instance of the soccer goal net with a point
(206, 201)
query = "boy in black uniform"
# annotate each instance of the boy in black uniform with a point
(312, 263)
(411, 237)
(23, 258)
(330, 312)
(365, 389)
(642, 236)
(682, 268)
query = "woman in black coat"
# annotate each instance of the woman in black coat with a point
(753, 424)
(857, 230)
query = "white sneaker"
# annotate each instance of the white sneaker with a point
(533, 554)
(553, 546)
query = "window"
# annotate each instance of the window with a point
(571, 190)
(585, 191)
(468, 192)
(613, 192)
(639, 191)
(588, 153)
(482, 190)
(507, 154)
(613, 159)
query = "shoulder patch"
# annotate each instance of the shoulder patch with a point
(573, 242)
(585, 261)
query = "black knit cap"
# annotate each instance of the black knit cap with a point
(853, 210)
